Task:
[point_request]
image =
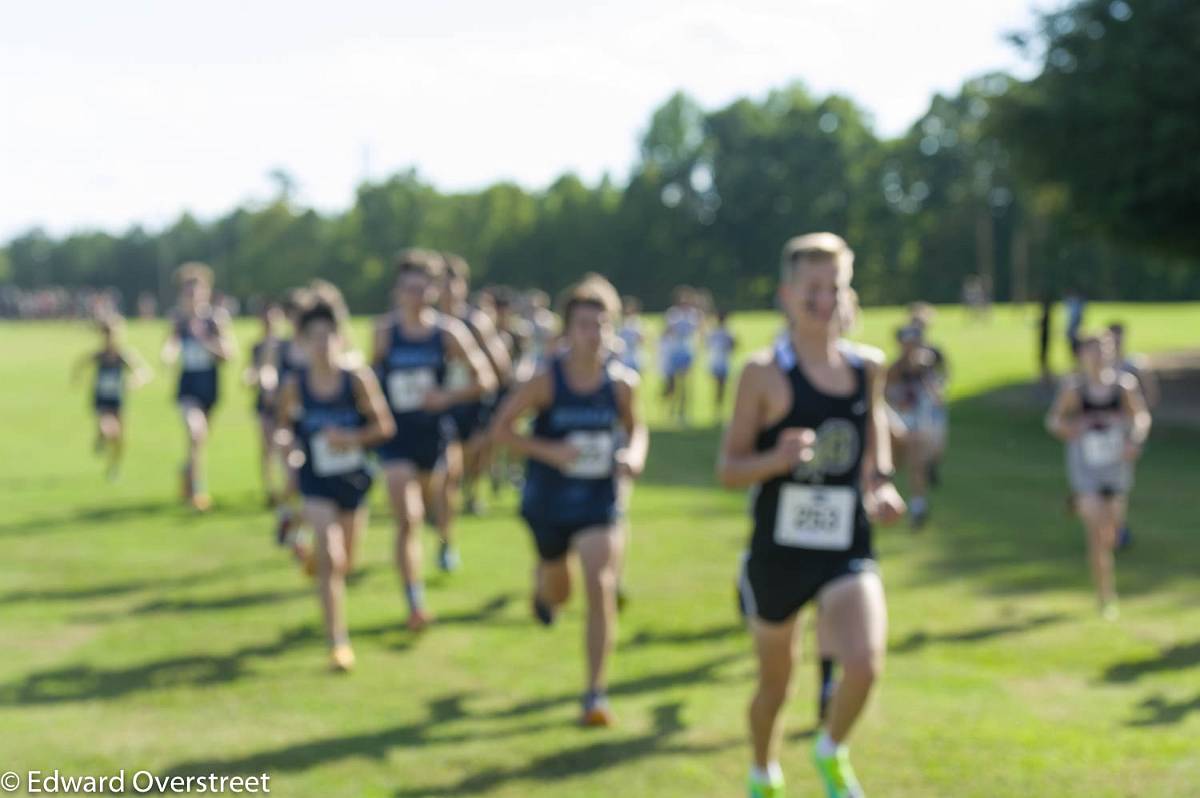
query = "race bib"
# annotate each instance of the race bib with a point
(595, 460)
(458, 375)
(194, 356)
(815, 517)
(1102, 447)
(330, 462)
(108, 385)
(407, 389)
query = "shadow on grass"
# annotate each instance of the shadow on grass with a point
(90, 592)
(445, 711)
(651, 637)
(662, 740)
(85, 682)
(1176, 658)
(172, 512)
(1159, 711)
(918, 640)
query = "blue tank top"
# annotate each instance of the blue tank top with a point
(319, 414)
(410, 368)
(586, 492)
(193, 357)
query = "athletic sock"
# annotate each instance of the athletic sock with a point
(771, 774)
(826, 747)
(415, 594)
(826, 674)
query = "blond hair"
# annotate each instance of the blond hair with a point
(816, 247)
(420, 261)
(594, 289)
(194, 271)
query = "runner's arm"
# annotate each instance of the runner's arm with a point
(369, 397)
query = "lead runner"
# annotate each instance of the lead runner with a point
(809, 433)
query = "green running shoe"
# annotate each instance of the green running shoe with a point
(762, 789)
(837, 774)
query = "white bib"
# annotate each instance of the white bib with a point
(330, 462)
(595, 460)
(1102, 447)
(108, 385)
(194, 356)
(407, 388)
(458, 375)
(815, 517)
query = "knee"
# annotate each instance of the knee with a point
(773, 693)
(864, 667)
(331, 559)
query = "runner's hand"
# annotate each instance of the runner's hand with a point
(341, 439)
(884, 504)
(623, 467)
(436, 401)
(1132, 451)
(795, 446)
(561, 455)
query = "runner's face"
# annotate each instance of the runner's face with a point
(1091, 357)
(322, 341)
(193, 294)
(812, 296)
(589, 328)
(413, 291)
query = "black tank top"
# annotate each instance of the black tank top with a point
(1098, 414)
(319, 414)
(815, 513)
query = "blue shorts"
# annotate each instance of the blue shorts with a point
(681, 360)
(420, 439)
(198, 387)
(347, 491)
(553, 541)
(468, 419)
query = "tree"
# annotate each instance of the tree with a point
(1113, 119)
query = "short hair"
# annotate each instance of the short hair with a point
(922, 312)
(594, 290)
(110, 324)
(415, 260)
(631, 304)
(318, 310)
(456, 266)
(1117, 328)
(294, 300)
(194, 271)
(324, 292)
(816, 246)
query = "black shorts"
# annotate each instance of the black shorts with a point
(106, 407)
(420, 441)
(347, 491)
(468, 419)
(553, 541)
(773, 591)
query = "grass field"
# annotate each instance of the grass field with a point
(139, 636)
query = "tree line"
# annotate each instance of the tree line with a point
(1082, 178)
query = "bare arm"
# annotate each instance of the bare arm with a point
(369, 398)
(379, 340)
(170, 348)
(879, 438)
(530, 397)
(1060, 419)
(140, 370)
(1135, 408)
(461, 345)
(633, 456)
(739, 465)
(493, 347)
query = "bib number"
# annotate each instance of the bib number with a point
(108, 385)
(330, 462)
(407, 389)
(815, 517)
(195, 356)
(1102, 447)
(595, 460)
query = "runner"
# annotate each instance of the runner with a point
(413, 345)
(809, 430)
(467, 455)
(111, 363)
(1100, 415)
(915, 391)
(200, 340)
(721, 344)
(338, 412)
(682, 322)
(579, 402)
(262, 375)
(632, 334)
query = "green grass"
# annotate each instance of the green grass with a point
(136, 635)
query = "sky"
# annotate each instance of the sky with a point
(119, 113)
